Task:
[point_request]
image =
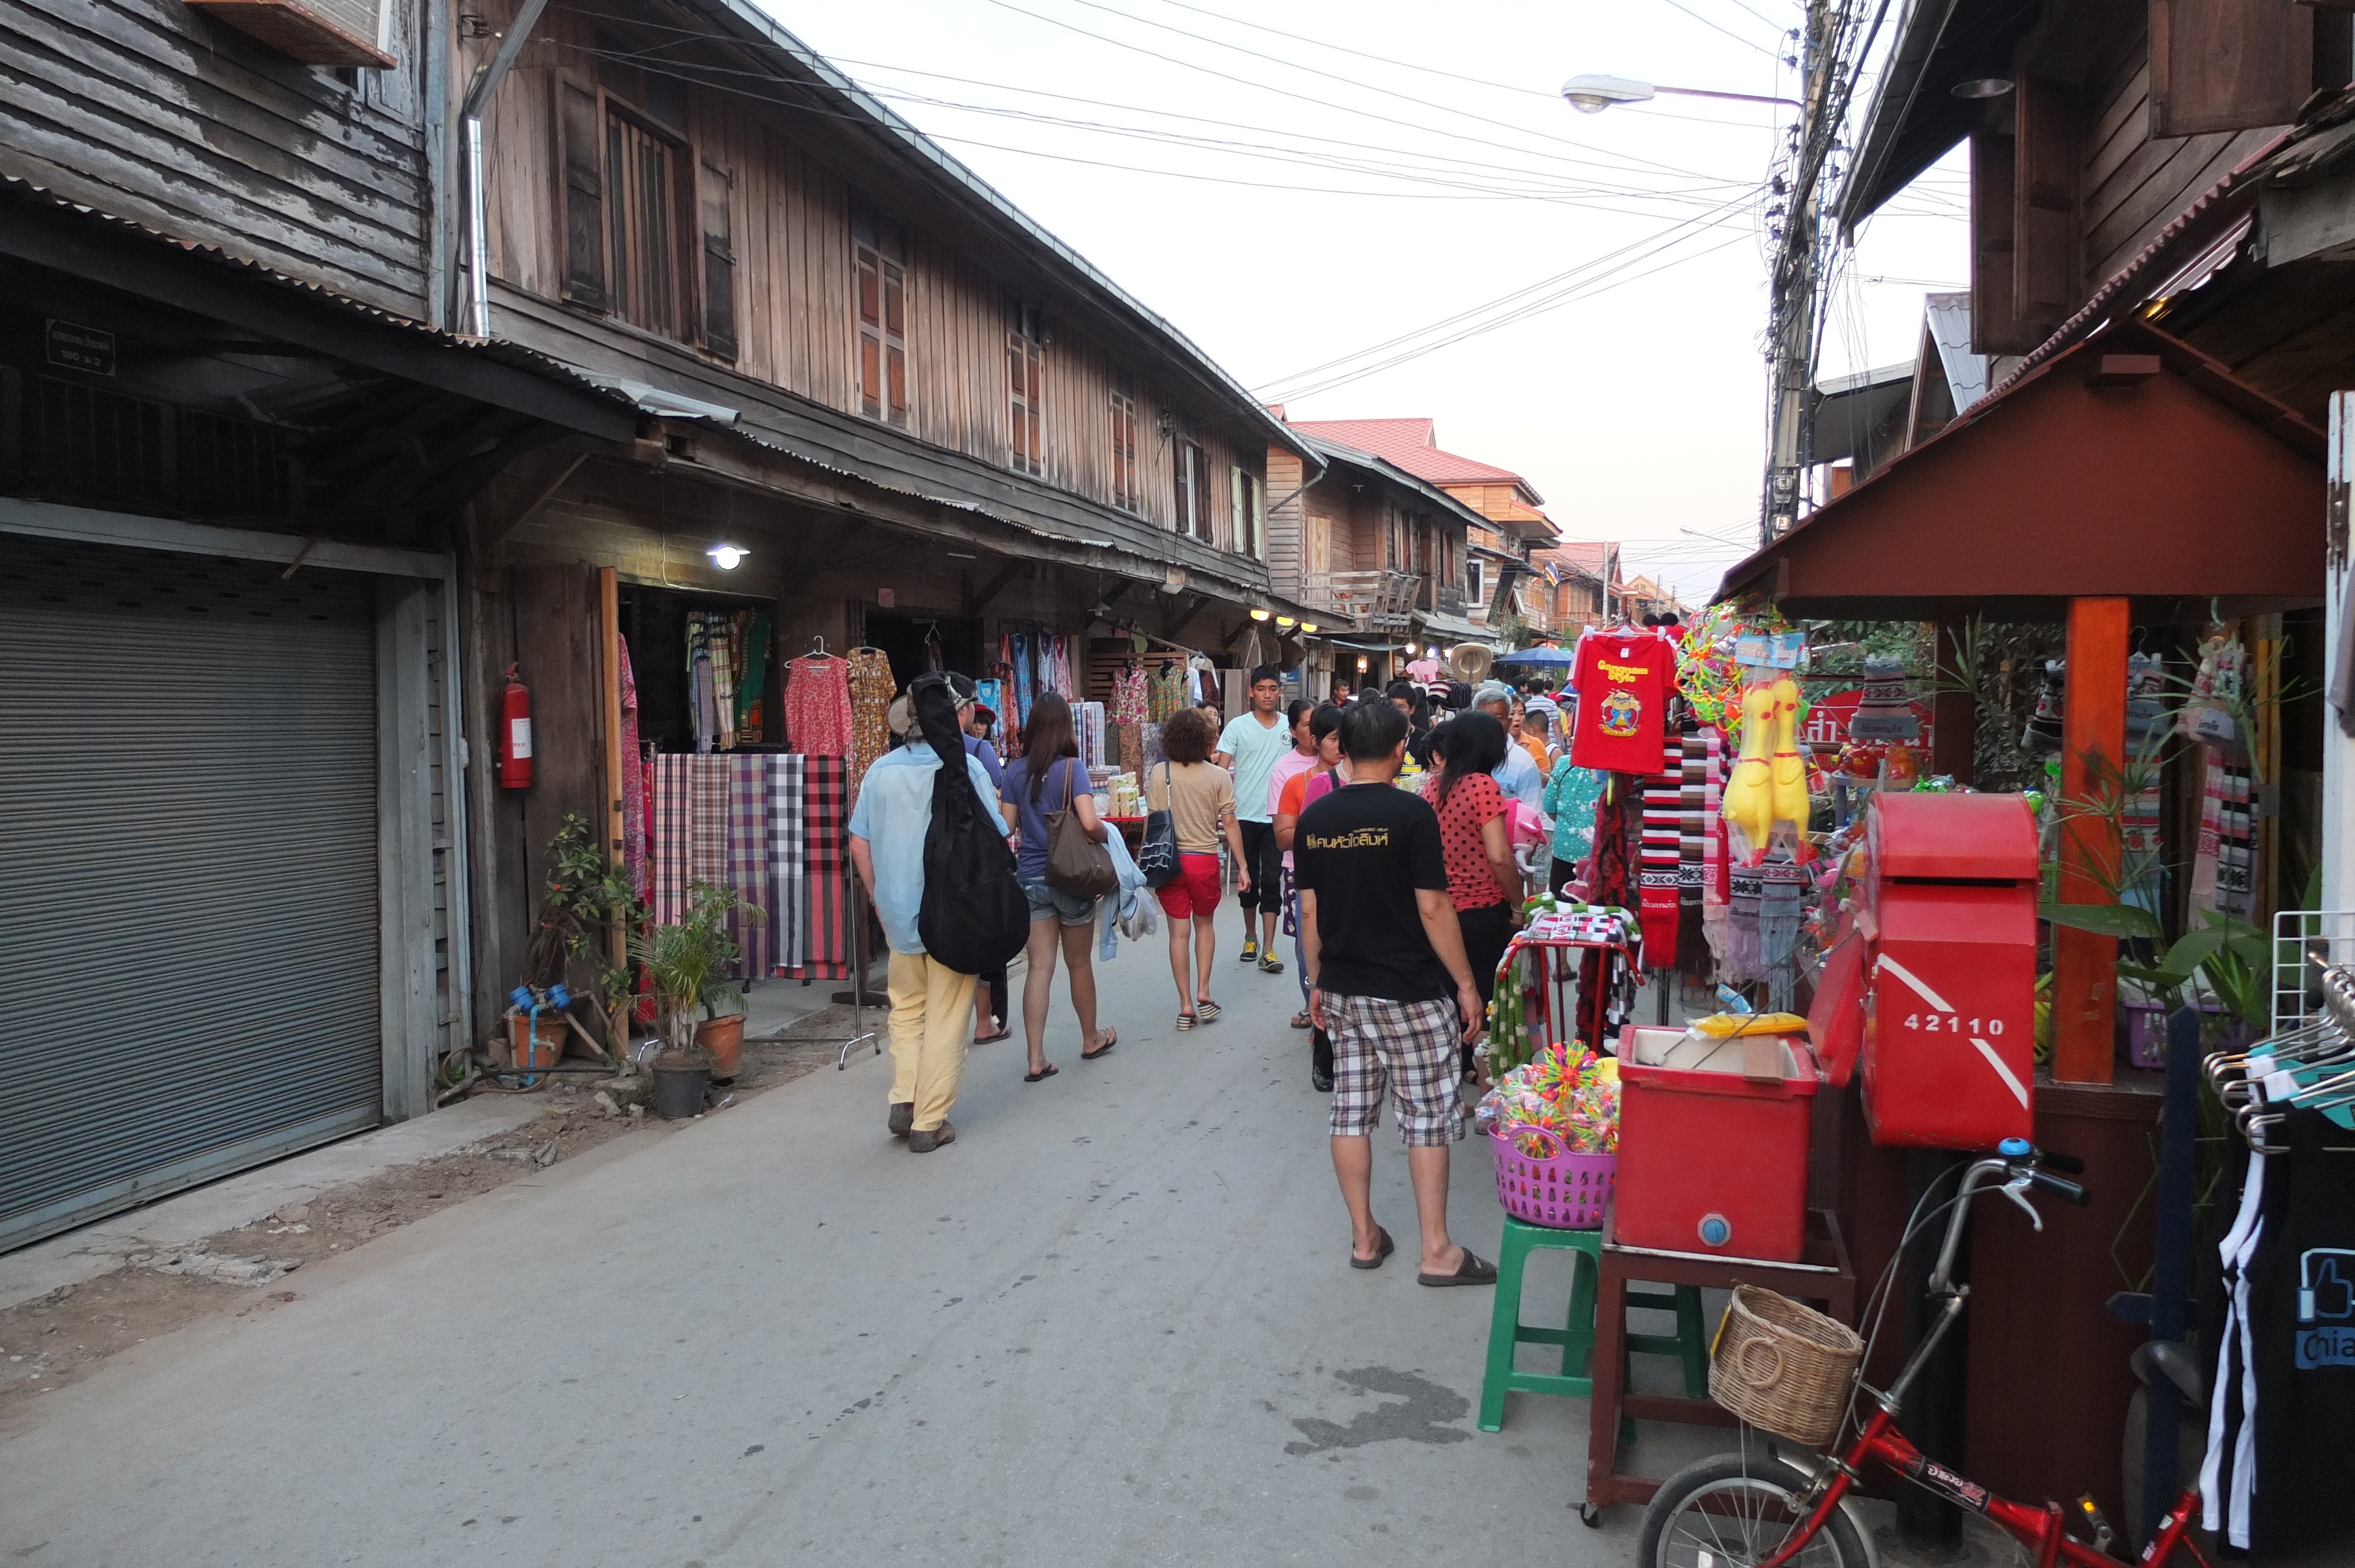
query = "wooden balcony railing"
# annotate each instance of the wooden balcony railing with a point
(1374, 601)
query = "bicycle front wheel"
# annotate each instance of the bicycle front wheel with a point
(1734, 1510)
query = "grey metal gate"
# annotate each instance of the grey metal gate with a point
(189, 931)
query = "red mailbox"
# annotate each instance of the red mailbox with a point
(1949, 925)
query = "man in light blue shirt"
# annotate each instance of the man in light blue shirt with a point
(1253, 744)
(931, 1006)
(1517, 776)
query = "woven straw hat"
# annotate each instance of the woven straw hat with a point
(1471, 661)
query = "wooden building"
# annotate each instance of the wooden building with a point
(1498, 546)
(731, 300)
(2120, 428)
(1378, 554)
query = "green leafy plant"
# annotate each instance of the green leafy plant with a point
(587, 901)
(690, 962)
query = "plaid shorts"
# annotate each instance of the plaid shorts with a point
(1413, 1050)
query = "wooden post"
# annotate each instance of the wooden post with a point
(2094, 735)
(1954, 714)
(609, 658)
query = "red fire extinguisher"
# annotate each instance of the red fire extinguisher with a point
(515, 731)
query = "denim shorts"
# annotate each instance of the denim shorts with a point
(1064, 907)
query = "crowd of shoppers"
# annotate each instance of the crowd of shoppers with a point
(1400, 904)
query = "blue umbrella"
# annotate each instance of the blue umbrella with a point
(1555, 656)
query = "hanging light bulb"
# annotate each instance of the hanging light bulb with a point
(727, 557)
(1259, 615)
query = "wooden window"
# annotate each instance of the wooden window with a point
(582, 214)
(717, 205)
(642, 169)
(1125, 493)
(2228, 65)
(880, 260)
(1996, 327)
(2044, 271)
(1193, 497)
(1247, 497)
(1025, 368)
(1472, 574)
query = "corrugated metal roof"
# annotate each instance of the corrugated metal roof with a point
(1410, 444)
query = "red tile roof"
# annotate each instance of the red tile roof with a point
(1409, 444)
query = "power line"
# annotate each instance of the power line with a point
(1746, 43)
(1327, 103)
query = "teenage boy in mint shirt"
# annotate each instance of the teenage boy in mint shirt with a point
(1253, 745)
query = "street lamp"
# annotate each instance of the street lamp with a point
(1593, 93)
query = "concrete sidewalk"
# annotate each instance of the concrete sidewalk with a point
(1112, 1324)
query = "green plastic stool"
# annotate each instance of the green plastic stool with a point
(1576, 1335)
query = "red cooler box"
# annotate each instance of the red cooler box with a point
(1714, 1144)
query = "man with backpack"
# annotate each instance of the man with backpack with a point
(891, 832)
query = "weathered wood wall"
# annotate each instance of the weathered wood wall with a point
(147, 111)
(794, 306)
(2134, 185)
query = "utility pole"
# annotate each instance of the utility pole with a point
(1798, 267)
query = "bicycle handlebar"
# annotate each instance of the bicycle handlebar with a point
(2052, 1161)
(2066, 1190)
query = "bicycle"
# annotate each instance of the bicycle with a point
(1736, 1510)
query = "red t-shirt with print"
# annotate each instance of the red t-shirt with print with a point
(1469, 807)
(1623, 684)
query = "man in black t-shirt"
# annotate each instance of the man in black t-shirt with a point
(1390, 983)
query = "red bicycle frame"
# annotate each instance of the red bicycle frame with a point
(2039, 1530)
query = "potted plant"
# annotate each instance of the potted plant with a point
(590, 898)
(690, 964)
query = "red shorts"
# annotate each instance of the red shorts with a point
(1193, 893)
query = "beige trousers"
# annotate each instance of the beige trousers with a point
(931, 1024)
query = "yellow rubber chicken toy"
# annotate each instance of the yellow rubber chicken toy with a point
(1749, 802)
(1789, 768)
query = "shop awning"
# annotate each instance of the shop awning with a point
(1454, 627)
(2131, 465)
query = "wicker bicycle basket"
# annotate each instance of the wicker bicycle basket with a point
(1783, 1367)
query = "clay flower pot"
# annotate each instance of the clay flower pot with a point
(723, 1038)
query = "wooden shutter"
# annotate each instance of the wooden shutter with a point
(1995, 323)
(2228, 65)
(869, 287)
(579, 127)
(717, 190)
(2044, 271)
(895, 340)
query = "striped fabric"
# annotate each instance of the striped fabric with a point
(1693, 806)
(1663, 834)
(826, 943)
(747, 862)
(788, 869)
(707, 821)
(673, 812)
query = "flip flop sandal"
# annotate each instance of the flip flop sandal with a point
(1382, 1250)
(1207, 1011)
(1471, 1271)
(986, 1039)
(1185, 1021)
(1112, 1038)
(1042, 1075)
(1302, 1021)
(1271, 966)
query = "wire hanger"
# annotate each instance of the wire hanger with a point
(817, 649)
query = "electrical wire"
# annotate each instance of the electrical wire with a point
(1567, 277)
(1746, 42)
(1349, 81)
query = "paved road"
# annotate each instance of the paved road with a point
(1110, 1324)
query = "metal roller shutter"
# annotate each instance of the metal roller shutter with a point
(188, 917)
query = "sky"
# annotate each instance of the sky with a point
(1314, 189)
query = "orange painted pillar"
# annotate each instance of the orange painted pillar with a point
(2094, 739)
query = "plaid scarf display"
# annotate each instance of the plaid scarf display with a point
(788, 864)
(674, 814)
(826, 940)
(752, 930)
(1662, 842)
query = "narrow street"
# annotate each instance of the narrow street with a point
(1110, 1324)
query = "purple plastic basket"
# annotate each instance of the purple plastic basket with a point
(1562, 1191)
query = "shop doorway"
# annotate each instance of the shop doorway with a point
(908, 640)
(654, 624)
